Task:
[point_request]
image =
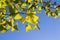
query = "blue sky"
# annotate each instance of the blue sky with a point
(50, 30)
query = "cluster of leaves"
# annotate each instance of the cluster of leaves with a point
(56, 8)
(10, 11)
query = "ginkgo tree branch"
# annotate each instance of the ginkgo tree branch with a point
(15, 7)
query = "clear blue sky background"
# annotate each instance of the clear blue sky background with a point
(50, 30)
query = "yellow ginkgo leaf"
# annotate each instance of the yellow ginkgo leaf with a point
(28, 27)
(36, 2)
(35, 18)
(55, 17)
(18, 16)
(29, 1)
(29, 19)
(8, 27)
(12, 22)
(3, 22)
(58, 14)
(34, 12)
(23, 20)
(49, 14)
(53, 13)
(56, 8)
(4, 31)
(29, 6)
(41, 1)
(2, 3)
(39, 8)
(33, 8)
(16, 11)
(36, 27)
(23, 5)
(13, 29)
(28, 12)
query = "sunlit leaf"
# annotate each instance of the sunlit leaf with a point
(36, 27)
(18, 16)
(28, 27)
(30, 1)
